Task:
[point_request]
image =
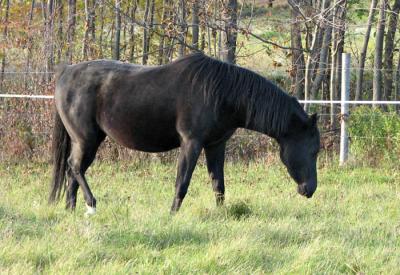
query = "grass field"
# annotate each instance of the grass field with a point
(351, 225)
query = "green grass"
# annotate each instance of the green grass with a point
(352, 224)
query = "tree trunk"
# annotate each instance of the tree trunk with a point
(363, 55)
(145, 33)
(202, 38)
(332, 84)
(132, 32)
(182, 31)
(151, 24)
(380, 32)
(195, 24)
(167, 39)
(117, 40)
(163, 32)
(90, 30)
(298, 63)
(101, 29)
(312, 56)
(230, 32)
(85, 45)
(336, 55)
(389, 48)
(29, 45)
(124, 28)
(92, 21)
(323, 60)
(164, 38)
(397, 84)
(217, 22)
(5, 34)
(71, 30)
(60, 31)
(49, 45)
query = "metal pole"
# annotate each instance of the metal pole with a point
(345, 94)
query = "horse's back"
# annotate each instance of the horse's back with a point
(130, 103)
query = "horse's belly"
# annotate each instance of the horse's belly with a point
(144, 144)
(146, 136)
(153, 145)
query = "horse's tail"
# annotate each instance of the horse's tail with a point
(61, 148)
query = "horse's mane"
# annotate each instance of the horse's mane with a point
(269, 108)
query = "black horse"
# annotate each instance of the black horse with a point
(193, 103)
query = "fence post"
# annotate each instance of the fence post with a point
(345, 95)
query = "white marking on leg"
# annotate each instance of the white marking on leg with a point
(90, 211)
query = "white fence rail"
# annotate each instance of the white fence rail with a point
(27, 96)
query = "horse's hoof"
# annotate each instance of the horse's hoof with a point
(90, 211)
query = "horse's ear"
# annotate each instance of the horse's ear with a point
(313, 120)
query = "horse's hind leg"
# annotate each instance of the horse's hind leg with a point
(73, 185)
(82, 156)
(215, 157)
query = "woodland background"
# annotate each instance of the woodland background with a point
(295, 43)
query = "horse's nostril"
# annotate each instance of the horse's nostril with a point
(302, 189)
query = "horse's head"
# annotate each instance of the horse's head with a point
(299, 148)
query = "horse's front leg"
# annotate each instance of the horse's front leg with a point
(215, 157)
(188, 156)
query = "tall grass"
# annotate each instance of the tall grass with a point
(351, 225)
(375, 135)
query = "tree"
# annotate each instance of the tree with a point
(314, 50)
(102, 19)
(146, 33)
(163, 32)
(5, 34)
(29, 45)
(90, 30)
(151, 24)
(230, 33)
(388, 52)
(338, 34)
(380, 31)
(60, 30)
(117, 40)
(71, 30)
(132, 34)
(323, 55)
(397, 84)
(195, 24)
(298, 63)
(182, 29)
(363, 55)
(48, 15)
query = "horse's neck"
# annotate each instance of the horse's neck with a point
(265, 131)
(251, 123)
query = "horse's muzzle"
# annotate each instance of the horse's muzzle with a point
(307, 189)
